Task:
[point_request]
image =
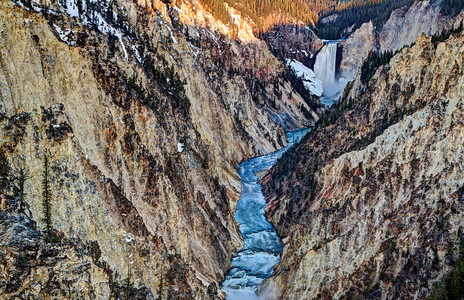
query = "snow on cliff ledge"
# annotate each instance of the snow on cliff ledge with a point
(311, 83)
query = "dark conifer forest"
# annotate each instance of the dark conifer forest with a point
(355, 15)
(347, 13)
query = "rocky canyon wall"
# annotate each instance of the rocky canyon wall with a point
(401, 29)
(369, 204)
(144, 110)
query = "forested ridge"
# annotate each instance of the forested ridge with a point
(356, 14)
(451, 7)
(307, 11)
(258, 10)
(347, 13)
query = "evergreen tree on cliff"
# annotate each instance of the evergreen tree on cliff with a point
(46, 199)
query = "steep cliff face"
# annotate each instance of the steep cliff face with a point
(294, 41)
(369, 204)
(144, 111)
(402, 28)
(361, 42)
(33, 268)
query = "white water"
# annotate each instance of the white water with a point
(325, 70)
(262, 245)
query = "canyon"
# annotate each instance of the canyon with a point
(144, 115)
(149, 111)
(402, 29)
(369, 204)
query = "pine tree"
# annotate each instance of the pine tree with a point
(46, 199)
(129, 285)
(4, 171)
(19, 180)
(160, 286)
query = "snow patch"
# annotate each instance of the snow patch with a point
(129, 238)
(94, 17)
(71, 8)
(311, 83)
(172, 36)
(180, 147)
(136, 53)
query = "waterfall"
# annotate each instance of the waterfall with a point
(324, 68)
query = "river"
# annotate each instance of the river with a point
(263, 247)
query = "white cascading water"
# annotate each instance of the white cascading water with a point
(263, 247)
(324, 68)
